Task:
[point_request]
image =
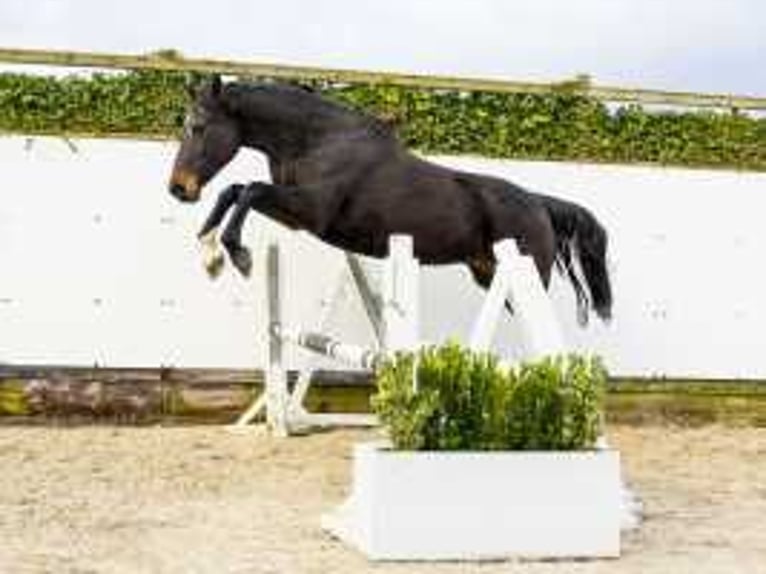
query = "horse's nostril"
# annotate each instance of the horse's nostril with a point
(178, 191)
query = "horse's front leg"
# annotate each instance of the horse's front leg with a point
(211, 252)
(232, 234)
(311, 209)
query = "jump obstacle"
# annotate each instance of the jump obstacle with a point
(394, 319)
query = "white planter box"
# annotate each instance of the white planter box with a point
(481, 505)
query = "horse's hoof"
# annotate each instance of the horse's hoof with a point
(243, 261)
(214, 264)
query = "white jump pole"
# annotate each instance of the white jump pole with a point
(346, 353)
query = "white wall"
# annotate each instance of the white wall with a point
(100, 265)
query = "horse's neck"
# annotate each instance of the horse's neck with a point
(279, 144)
(271, 124)
(285, 124)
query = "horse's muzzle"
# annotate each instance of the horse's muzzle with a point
(184, 186)
(179, 192)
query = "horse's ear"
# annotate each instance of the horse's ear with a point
(203, 85)
(194, 83)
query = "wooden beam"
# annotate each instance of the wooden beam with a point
(169, 60)
(49, 393)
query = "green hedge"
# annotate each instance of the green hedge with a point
(560, 125)
(132, 103)
(465, 401)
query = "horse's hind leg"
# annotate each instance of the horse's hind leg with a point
(483, 269)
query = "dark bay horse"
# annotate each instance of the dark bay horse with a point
(345, 177)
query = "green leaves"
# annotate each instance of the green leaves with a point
(466, 401)
(145, 103)
(556, 404)
(560, 125)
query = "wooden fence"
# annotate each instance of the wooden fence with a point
(171, 60)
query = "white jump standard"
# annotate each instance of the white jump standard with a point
(516, 280)
(394, 321)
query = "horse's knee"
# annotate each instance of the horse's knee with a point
(230, 238)
(482, 268)
(231, 194)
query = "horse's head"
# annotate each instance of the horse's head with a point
(211, 139)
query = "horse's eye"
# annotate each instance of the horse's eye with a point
(193, 127)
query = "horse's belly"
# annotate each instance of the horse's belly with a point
(432, 247)
(359, 242)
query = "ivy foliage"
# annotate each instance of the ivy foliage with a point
(560, 125)
(465, 401)
(141, 103)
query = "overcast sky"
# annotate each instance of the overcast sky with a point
(699, 45)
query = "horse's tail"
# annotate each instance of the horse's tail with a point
(580, 235)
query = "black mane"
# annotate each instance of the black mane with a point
(300, 106)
